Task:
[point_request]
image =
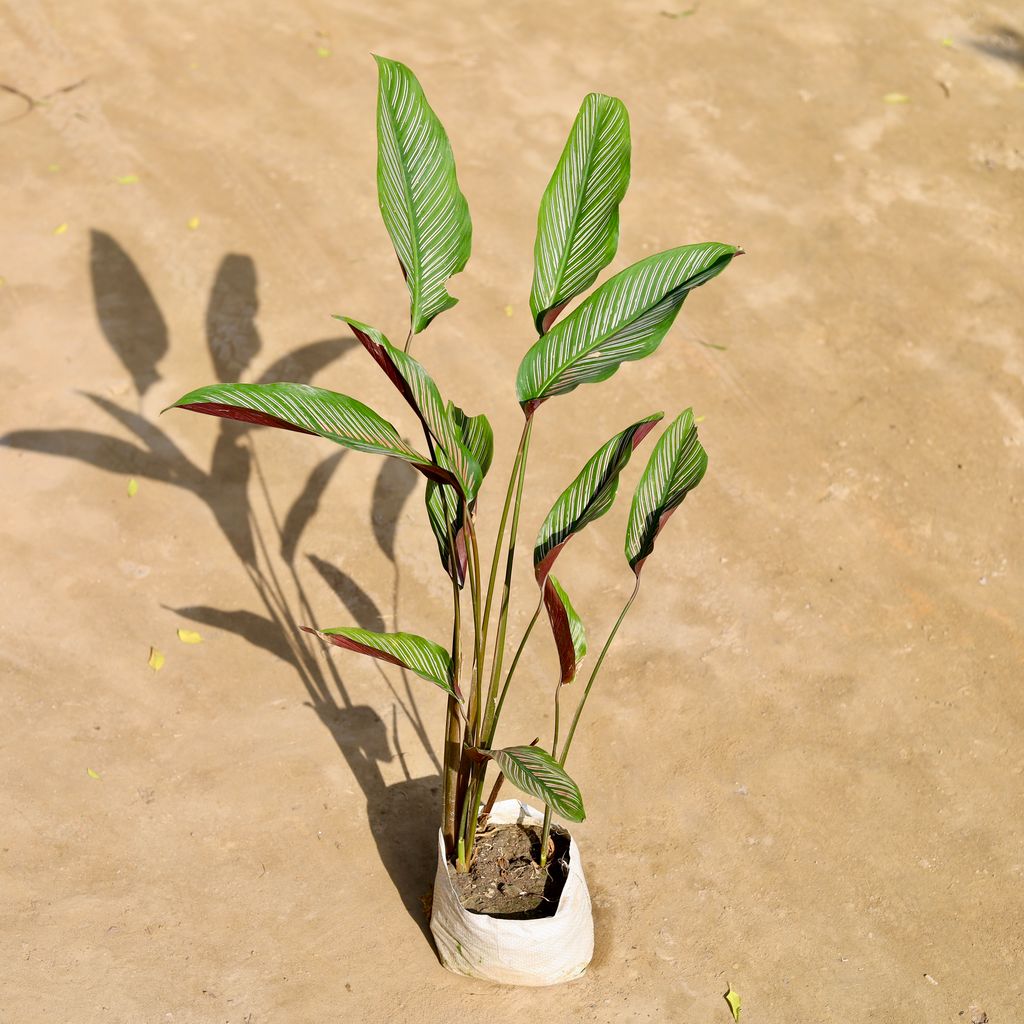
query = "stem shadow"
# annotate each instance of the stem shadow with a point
(402, 816)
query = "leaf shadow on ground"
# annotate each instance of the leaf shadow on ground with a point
(1003, 43)
(402, 816)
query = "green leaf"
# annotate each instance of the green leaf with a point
(476, 434)
(444, 510)
(578, 223)
(428, 660)
(567, 627)
(423, 208)
(309, 410)
(536, 772)
(624, 319)
(676, 466)
(419, 390)
(589, 496)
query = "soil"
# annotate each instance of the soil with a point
(505, 879)
(803, 763)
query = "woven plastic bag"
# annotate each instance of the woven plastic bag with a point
(545, 951)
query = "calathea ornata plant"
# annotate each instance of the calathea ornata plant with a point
(623, 319)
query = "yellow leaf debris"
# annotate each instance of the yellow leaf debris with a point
(733, 1000)
(189, 636)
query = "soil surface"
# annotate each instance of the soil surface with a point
(505, 879)
(803, 762)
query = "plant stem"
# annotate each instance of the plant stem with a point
(523, 441)
(511, 671)
(473, 572)
(483, 716)
(465, 847)
(499, 639)
(546, 833)
(408, 341)
(453, 733)
(593, 675)
(473, 795)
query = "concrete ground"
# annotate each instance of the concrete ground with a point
(803, 766)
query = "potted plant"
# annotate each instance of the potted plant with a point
(510, 900)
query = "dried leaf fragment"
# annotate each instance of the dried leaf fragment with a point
(189, 636)
(156, 659)
(133, 487)
(733, 999)
(92, 774)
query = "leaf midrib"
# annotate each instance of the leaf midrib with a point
(683, 285)
(611, 479)
(414, 228)
(576, 216)
(597, 342)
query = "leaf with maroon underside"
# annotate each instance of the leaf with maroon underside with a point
(418, 389)
(589, 496)
(567, 627)
(444, 509)
(676, 466)
(428, 660)
(309, 410)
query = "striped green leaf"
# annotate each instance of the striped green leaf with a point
(428, 660)
(567, 627)
(309, 410)
(476, 434)
(423, 208)
(624, 319)
(676, 466)
(419, 390)
(589, 496)
(444, 510)
(536, 772)
(578, 223)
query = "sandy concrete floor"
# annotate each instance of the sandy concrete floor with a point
(806, 755)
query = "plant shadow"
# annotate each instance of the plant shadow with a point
(402, 816)
(1003, 43)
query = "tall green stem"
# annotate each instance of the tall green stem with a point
(513, 477)
(484, 718)
(593, 675)
(453, 733)
(546, 832)
(473, 572)
(499, 639)
(511, 671)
